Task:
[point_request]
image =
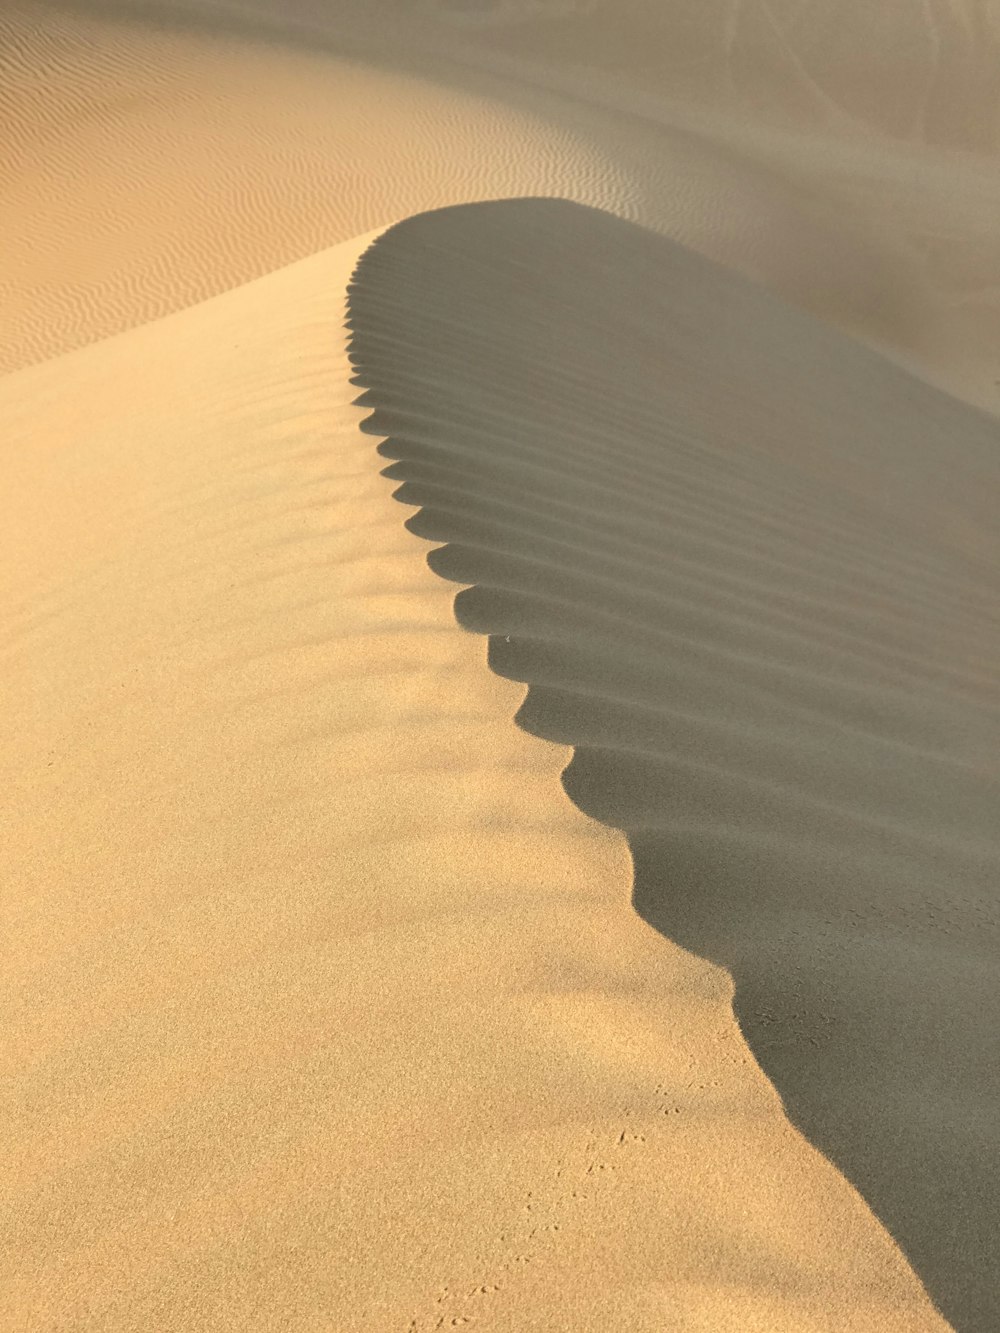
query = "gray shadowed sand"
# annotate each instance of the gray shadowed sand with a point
(748, 569)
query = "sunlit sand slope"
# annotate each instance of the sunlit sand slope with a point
(326, 1007)
(748, 569)
(323, 1007)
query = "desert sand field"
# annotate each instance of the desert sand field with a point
(501, 658)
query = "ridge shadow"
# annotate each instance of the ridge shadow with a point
(748, 569)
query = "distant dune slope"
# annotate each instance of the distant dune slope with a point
(919, 71)
(748, 569)
(845, 154)
(881, 120)
(147, 167)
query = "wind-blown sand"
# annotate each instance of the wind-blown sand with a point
(326, 1004)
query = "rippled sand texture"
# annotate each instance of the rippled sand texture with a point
(632, 968)
(146, 168)
(842, 153)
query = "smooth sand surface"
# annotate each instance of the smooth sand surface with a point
(864, 138)
(331, 1000)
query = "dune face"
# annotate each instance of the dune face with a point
(919, 71)
(323, 1007)
(748, 570)
(332, 999)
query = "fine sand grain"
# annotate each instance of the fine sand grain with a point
(635, 967)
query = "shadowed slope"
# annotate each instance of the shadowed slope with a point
(748, 569)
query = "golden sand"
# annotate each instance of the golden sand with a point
(326, 1007)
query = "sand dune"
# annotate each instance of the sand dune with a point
(841, 153)
(263, 154)
(325, 1008)
(749, 571)
(879, 123)
(326, 1005)
(750, 137)
(923, 72)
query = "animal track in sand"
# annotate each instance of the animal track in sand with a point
(545, 1219)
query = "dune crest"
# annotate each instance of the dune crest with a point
(324, 1007)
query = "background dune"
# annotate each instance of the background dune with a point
(148, 167)
(844, 155)
(325, 1005)
(880, 122)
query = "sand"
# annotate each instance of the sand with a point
(263, 154)
(611, 946)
